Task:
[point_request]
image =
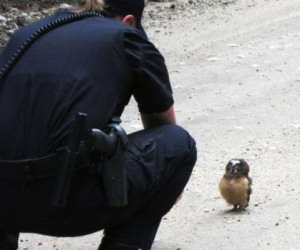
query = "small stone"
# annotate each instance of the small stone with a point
(213, 59)
(232, 45)
(65, 6)
(23, 19)
(10, 32)
(2, 19)
(227, 1)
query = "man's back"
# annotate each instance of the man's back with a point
(78, 67)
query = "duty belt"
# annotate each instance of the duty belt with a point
(39, 168)
(110, 147)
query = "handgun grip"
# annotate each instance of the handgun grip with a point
(102, 142)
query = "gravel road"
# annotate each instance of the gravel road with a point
(236, 79)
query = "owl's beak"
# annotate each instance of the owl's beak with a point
(233, 171)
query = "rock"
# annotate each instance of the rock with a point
(23, 19)
(14, 10)
(213, 59)
(227, 1)
(10, 32)
(2, 19)
(233, 45)
(65, 6)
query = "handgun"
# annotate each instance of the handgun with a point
(114, 145)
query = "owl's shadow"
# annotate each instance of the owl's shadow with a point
(235, 211)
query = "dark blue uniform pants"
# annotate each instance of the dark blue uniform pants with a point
(159, 164)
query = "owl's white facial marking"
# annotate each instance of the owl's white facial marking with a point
(235, 162)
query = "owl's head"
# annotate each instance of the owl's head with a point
(238, 167)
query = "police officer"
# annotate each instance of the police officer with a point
(92, 65)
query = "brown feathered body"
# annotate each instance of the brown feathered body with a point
(235, 185)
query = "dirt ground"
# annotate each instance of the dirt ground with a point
(236, 78)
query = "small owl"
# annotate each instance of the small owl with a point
(235, 185)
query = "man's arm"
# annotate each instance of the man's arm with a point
(158, 119)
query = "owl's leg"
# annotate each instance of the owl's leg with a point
(243, 205)
(235, 207)
(241, 208)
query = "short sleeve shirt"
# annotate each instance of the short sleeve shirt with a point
(92, 66)
(152, 89)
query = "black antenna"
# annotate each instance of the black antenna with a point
(66, 171)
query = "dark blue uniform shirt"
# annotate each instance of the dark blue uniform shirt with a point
(93, 65)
